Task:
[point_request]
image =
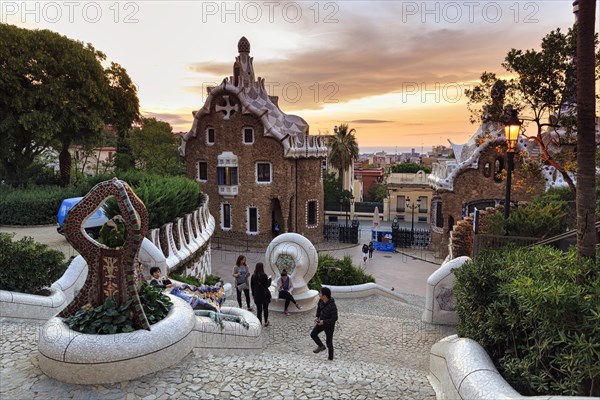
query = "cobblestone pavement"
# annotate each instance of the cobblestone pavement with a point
(381, 352)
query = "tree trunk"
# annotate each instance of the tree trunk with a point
(586, 141)
(64, 160)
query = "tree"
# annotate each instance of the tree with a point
(332, 189)
(542, 89)
(409, 168)
(155, 148)
(126, 110)
(586, 141)
(53, 93)
(343, 149)
(377, 193)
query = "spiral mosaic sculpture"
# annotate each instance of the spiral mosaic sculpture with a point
(112, 271)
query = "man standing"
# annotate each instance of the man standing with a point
(327, 315)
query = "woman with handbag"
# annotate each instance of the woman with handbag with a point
(241, 274)
(260, 283)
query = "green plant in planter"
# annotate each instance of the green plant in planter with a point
(212, 280)
(109, 318)
(113, 233)
(105, 319)
(156, 304)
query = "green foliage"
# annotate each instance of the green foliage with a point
(409, 168)
(155, 148)
(34, 205)
(190, 280)
(110, 318)
(544, 217)
(376, 193)
(536, 313)
(113, 233)
(332, 271)
(156, 304)
(212, 280)
(27, 266)
(166, 198)
(343, 148)
(332, 186)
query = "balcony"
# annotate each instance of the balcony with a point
(228, 190)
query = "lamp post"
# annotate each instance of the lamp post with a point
(412, 224)
(511, 132)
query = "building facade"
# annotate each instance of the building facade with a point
(259, 166)
(476, 179)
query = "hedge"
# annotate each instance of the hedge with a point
(166, 198)
(536, 313)
(336, 272)
(27, 266)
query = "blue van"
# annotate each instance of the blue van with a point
(92, 225)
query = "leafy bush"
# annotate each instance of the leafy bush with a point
(212, 280)
(190, 280)
(27, 266)
(113, 233)
(166, 198)
(332, 271)
(36, 205)
(409, 168)
(110, 318)
(536, 313)
(543, 217)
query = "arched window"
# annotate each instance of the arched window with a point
(487, 170)
(498, 168)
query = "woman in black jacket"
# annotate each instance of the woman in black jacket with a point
(259, 283)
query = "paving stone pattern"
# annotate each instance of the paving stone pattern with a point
(381, 352)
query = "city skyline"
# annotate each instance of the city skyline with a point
(394, 71)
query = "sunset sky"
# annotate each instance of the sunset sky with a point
(394, 70)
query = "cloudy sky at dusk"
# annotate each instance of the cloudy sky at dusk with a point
(394, 70)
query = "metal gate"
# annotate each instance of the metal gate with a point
(340, 233)
(404, 237)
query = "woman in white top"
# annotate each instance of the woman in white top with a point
(285, 287)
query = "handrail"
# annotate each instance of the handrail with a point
(561, 236)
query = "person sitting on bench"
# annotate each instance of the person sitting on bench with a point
(285, 286)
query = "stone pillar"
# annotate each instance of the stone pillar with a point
(386, 209)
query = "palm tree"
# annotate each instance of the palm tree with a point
(586, 141)
(343, 149)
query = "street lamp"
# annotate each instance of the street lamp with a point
(511, 132)
(412, 224)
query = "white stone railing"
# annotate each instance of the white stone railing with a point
(198, 226)
(419, 178)
(460, 369)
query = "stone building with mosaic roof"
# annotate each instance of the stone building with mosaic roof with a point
(476, 179)
(258, 165)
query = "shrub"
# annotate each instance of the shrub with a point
(110, 318)
(27, 266)
(190, 280)
(543, 217)
(536, 313)
(212, 280)
(35, 205)
(165, 197)
(332, 271)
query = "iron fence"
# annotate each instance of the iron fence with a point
(341, 233)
